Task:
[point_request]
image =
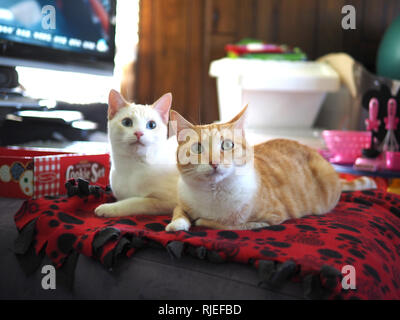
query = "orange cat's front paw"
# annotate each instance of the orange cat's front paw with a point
(179, 224)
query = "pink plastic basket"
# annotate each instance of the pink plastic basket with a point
(346, 146)
(392, 160)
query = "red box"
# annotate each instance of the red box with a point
(26, 173)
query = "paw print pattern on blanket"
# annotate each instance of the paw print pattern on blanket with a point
(362, 231)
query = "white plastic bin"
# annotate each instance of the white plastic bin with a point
(280, 94)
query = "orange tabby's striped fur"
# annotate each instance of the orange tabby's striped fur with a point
(286, 180)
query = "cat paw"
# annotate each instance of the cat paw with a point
(106, 210)
(201, 223)
(179, 224)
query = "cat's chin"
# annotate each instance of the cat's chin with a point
(137, 144)
(214, 174)
(136, 148)
(214, 177)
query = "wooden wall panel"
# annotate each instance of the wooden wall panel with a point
(222, 12)
(170, 57)
(246, 25)
(329, 36)
(391, 11)
(267, 20)
(194, 62)
(169, 48)
(144, 66)
(298, 29)
(180, 38)
(373, 18)
(217, 34)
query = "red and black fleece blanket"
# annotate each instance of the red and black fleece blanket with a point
(363, 231)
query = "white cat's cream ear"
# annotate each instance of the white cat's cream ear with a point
(163, 105)
(240, 119)
(178, 123)
(115, 103)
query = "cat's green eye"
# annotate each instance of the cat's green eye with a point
(227, 145)
(196, 148)
(126, 122)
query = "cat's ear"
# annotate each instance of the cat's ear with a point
(178, 123)
(115, 103)
(240, 119)
(163, 105)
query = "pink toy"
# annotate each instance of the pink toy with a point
(392, 160)
(389, 159)
(345, 146)
(370, 164)
(390, 142)
(373, 123)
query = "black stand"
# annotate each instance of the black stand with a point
(19, 125)
(12, 94)
(8, 78)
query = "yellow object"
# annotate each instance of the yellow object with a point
(394, 186)
(344, 66)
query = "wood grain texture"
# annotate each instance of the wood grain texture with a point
(297, 24)
(144, 65)
(180, 38)
(329, 36)
(267, 20)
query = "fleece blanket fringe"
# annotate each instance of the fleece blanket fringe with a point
(362, 232)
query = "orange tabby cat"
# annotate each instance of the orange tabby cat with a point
(226, 184)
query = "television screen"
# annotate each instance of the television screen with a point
(58, 31)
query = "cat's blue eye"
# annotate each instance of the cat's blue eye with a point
(151, 125)
(227, 145)
(196, 148)
(126, 122)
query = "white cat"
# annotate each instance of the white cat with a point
(143, 160)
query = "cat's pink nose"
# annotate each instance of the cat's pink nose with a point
(138, 134)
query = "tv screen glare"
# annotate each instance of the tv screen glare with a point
(71, 35)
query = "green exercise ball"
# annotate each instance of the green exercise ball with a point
(388, 60)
